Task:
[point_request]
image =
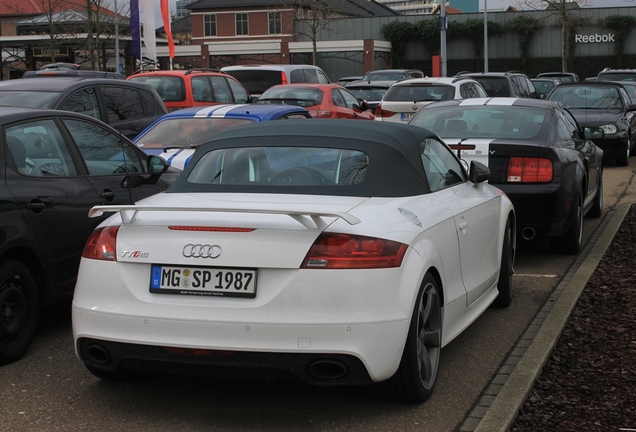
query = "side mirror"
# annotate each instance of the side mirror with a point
(157, 165)
(593, 133)
(364, 105)
(479, 172)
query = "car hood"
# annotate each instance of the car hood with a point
(595, 117)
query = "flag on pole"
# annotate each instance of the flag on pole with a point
(165, 15)
(147, 14)
(135, 30)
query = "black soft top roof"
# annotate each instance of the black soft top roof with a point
(394, 170)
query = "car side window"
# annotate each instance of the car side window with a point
(322, 77)
(566, 130)
(240, 94)
(338, 100)
(39, 150)
(151, 105)
(122, 103)
(441, 167)
(311, 76)
(222, 92)
(297, 76)
(82, 101)
(201, 91)
(104, 152)
(350, 100)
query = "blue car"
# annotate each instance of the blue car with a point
(175, 136)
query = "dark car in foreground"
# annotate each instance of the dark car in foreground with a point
(606, 105)
(55, 166)
(127, 106)
(537, 154)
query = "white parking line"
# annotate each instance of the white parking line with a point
(536, 275)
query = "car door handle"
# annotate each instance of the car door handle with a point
(36, 206)
(108, 195)
(462, 225)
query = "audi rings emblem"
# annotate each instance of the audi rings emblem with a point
(201, 251)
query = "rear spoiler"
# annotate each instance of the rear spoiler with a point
(128, 213)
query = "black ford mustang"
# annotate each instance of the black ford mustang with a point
(537, 154)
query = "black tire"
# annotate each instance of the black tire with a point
(19, 310)
(622, 158)
(416, 376)
(504, 299)
(597, 206)
(570, 242)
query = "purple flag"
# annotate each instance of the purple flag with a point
(135, 30)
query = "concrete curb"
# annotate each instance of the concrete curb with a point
(505, 407)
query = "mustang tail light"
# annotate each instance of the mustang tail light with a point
(529, 170)
(379, 112)
(344, 251)
(101, 245)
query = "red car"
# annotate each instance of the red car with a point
(321, 100)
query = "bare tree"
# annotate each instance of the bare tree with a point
(561, 10)
(314, 16)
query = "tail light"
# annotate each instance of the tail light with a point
(529, 170)
(379, 112)
(101, 245)
(283, 78)
(344, 251)
(319, 113)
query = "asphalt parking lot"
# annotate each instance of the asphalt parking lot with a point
(50, 389)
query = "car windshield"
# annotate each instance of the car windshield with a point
(587, 97)
(27, 98)
(291, 95)
(185, 132)
(280, 166)
(368, 93)
(483, 121)
(415, 93)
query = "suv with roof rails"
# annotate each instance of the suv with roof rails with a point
(504, 84)
(127, 106)
(259, 77)
(406, 98)
(70, 70)
(608, 74)
(194, 87)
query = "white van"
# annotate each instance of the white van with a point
(258, 78)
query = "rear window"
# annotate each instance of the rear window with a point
(170, 89)
(281, 166)
(415, 93)
(494, 86)
(290, 95)
(617, 76)
(368, 93)
(256, 81)
(483, 121)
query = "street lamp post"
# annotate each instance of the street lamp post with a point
(116, 38)
(485, 35)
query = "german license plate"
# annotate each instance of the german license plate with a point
(407, 116)
(203, 281)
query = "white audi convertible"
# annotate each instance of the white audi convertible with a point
(332, 251)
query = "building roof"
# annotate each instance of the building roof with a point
(38, 7)
(358, 8)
